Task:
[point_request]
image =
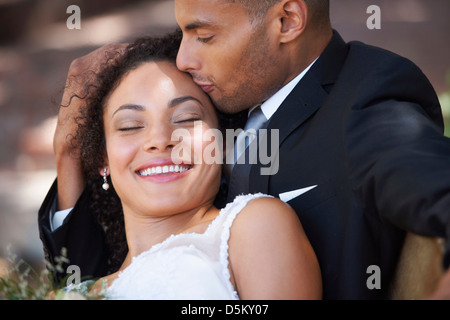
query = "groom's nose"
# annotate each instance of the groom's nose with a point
(188, 58)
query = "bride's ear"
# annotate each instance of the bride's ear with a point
(104, 171)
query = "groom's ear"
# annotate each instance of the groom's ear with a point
(293, 18)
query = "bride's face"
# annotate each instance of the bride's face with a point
(152, 169)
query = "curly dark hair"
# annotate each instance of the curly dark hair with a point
(90, 137)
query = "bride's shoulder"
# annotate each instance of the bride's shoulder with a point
(267, 207)
(264, 214)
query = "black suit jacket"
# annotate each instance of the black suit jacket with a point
(81, 236)
(364, 125)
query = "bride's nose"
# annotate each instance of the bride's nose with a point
(159, 139)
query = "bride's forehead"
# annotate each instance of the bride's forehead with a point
(156, 83)
(157, 73)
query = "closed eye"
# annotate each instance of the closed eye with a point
(205, 40)
(188, 120)
(129, 129)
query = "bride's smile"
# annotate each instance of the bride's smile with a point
(164, 170)
(141, 114)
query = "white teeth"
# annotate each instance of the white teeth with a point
(163, 169)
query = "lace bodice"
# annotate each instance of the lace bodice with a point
(186, 266)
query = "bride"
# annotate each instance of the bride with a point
(167, 239)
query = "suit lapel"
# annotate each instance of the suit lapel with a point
(303, 102)
(306, 99)
(312, 91)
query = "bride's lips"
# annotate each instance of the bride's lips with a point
(163, 170)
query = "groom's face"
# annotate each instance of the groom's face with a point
(236, 63)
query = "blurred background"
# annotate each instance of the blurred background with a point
(36, 48)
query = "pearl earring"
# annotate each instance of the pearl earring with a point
(105, 185)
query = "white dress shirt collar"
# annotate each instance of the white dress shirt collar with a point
(271, 105)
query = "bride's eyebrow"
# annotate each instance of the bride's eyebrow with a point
(135, 107)
(174, 102)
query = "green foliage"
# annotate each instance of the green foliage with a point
(22, 282)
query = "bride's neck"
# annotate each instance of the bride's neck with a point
(143, 231)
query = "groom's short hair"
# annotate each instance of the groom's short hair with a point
(257, 9)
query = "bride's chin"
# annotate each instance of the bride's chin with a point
(163, 206)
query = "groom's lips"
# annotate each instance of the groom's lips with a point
(206, 87)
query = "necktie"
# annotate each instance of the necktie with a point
(256, 121)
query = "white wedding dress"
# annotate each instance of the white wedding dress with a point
(187, 266)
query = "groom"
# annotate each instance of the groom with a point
(361, 157)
